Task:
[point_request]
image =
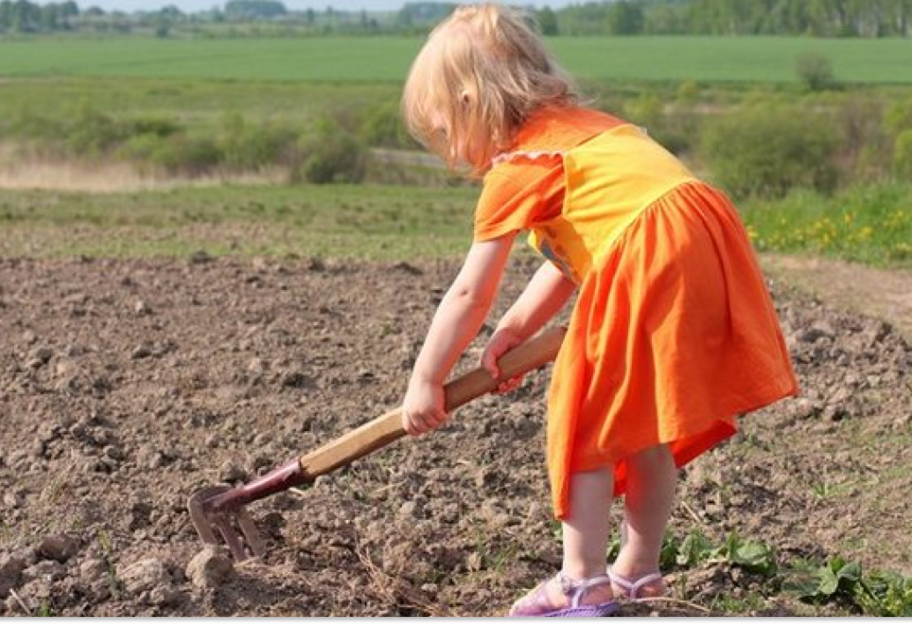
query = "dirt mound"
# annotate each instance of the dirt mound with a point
(126, 385)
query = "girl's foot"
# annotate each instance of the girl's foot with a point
(650, 585)
(563, 597)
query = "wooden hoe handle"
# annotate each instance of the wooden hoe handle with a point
(387, 428)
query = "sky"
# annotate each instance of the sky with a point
(294, 5)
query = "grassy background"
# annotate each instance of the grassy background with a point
(289, 80)
(387, 59)
(870, 224)
(374, 222)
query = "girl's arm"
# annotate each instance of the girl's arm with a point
(456, 323)
(544, 296)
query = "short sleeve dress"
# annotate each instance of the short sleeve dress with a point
(673, 334)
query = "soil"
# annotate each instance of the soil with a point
(125, 385)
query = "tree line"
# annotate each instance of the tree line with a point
(818, 18)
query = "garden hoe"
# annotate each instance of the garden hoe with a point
(221, 510)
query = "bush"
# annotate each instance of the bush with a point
(187, 155)
(815, 71)
(899, 116)
(92, 133)
(157, 126)
(381, 126)
(765, 151)
(867, 147)
(251, 147)
(902, 156)
(330, 154)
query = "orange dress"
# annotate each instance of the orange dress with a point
(673, 333)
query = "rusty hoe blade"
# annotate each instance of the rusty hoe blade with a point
(219, 513)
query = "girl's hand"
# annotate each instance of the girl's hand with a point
(502, 341)
(422, 408)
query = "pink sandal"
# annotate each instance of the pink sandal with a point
(537, 603)
(630, 587)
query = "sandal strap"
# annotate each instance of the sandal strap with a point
(576, 589)
(631, 586)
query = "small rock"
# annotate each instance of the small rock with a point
(140, 514)
(141, 351)
(113, 452)
(166, 595)
(141, 308)
(405, 267)
(834, 412)
(12, 499)
(44, 571)
(210, 567)
(42, 353)
(200, 257)
(144, 575)
(92, 569)
(409, 509)
(296, 379)
(824, 328)
(231, 471)
(58, 547)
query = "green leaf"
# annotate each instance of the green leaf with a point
(669, 553)
(802, 585)
(828, 582)
(755, 557)
(850, 572)
(695, 549)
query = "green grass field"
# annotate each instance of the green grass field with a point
(386, 59)
(871, 224)
(339, 221)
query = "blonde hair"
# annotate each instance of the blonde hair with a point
(480, 74)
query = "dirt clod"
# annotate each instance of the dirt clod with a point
(210, 568)
(58, 547)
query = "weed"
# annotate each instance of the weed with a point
(104, 541)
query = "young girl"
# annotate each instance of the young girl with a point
(672, 334)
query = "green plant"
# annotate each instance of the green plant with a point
(251, 146)
(381, 126)
(838, 580)
(815, 71)
(187, 155)
(765, 150)
(752, 556)
(104, 540)
(330, 154)
(902, 155)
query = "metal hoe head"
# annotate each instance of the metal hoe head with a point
(213, 515)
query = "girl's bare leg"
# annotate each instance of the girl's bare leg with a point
(651, 481)
(586, 532)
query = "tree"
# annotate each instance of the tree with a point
(815, 71)
(49, 17)
(254, 9)
(547, 22)
(625, 18)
